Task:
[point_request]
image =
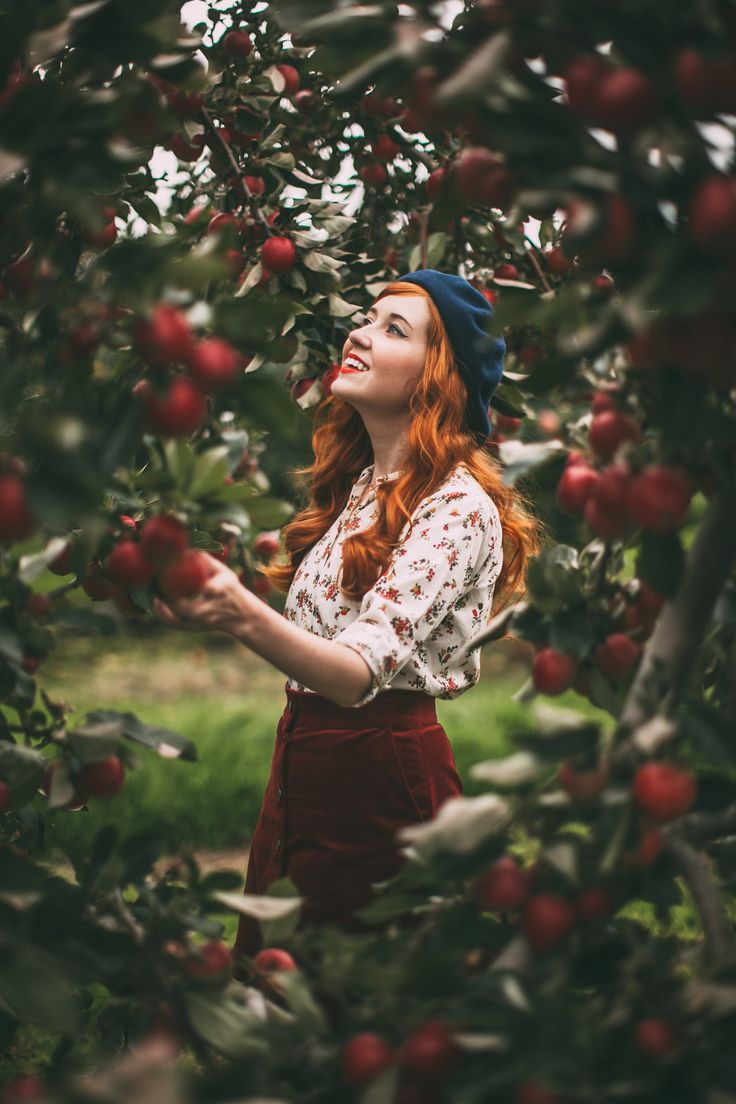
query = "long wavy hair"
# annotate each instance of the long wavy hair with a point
(437, 442)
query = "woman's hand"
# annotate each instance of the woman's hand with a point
(223, 605)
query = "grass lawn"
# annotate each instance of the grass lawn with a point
(228, 701)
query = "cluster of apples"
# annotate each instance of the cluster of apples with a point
(178, 406)
(162, 552)
(615, 499)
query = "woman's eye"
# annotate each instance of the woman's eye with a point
(364, 320)
(393, 326)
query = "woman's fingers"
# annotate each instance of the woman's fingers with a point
(166, 614)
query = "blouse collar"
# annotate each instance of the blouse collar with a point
(363, 479)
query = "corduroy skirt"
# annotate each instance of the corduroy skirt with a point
(342, 783)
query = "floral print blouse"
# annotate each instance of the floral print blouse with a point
(435, 594)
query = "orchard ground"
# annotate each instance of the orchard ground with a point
(228, 701)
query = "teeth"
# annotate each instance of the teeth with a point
(351, 362)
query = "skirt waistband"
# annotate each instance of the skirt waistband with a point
(388, 707)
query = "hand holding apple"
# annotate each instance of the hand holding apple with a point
(222, 605)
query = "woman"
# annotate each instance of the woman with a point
(390, 569)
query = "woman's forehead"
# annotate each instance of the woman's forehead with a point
(412, 307)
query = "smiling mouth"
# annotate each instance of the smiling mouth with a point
(353, 364)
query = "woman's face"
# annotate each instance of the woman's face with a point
(391, 340)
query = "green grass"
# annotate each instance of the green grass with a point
(228, 701)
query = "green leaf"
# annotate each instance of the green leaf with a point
(222, 1020)
(519, 458)
(210, 469)
(34, 988)
(168, 744)
(269, 513)
(22, 768)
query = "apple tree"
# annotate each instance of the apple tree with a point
(567, 935)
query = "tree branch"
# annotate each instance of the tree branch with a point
(240, 185)
(717, 928)
(679, 632)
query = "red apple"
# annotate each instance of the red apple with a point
(256, 185)
(593, 904)
(664, 791)
(379, 107)
(213, 364)
(430, 1053)
(610, 429)
(305, 101)
(211, 961)
(506, 272)
(373, 174)
(267, 544)
(6, 796)
(482, 177)
(625, 99)
(547, 921)
(435, 182)
(16, 518)
(617, 656)
(503, 888)
(575, 487)
(163, 539)
(186, 104)
(385, 149)
(658, 1038)
(659, 498)
(128, 566)
(582, 77)
(364, 1057)
(552, 671)
(557, 262)
(164, 339)
(582, 785)
(707, 82)
(606, 511)
(291, 78)
(237, 44)
(103, 778)
(179, 411)
(184, 150)
(278, 254)
(712, 213)
(185, 576)
(535, 1092)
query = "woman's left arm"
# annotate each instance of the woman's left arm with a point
(225, 605)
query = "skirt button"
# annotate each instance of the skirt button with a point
(277, 845)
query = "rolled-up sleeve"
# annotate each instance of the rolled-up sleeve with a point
(440, 559)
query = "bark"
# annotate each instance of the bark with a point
(663, 675)
(717, 928)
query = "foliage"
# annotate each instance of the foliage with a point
(144, 356)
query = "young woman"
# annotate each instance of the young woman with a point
(408, 536)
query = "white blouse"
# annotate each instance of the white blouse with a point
(434, 595)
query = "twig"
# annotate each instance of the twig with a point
(717, 928)
(532, 254)
(423, 236)
(414, 151)
(64, 588)
(124, 914)
(662, 677)
(702, 827)
(240, 185)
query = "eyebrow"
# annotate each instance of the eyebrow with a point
(393, 314)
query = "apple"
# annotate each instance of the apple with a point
(575, 487)
(602, 400)
(6, 796)
(506, 424)
(165, 338)
(617, 656)
(305, 101)
(267, 544)
(610, 429)
(291, 78)
(184, 150)
(663, 790)
(625, 99)
(163, 539)
(16, 519)
(581, 785)
(379, 107)
(256, 185)
(606, 510)
(530, 354)
(270, 959)
(712, 213)
(658, 1038)
(211, 961)
(94, 585)
(435, 182)
(278, 254)
(430, 1053)
(213, 364)
(706, 82)
(179, 411)
(385, 149)
(552, 671)
(482, 178)
(593, 904)
(490, 295)
(504, 887)
(535, 1092)
(373, 174)
(608, 240)
(39, 606)
(659, 498)
(604, 285)
(237, 44)
(101, 239)
(186, 104)
(128, 566)
(185, 576)
(23, 1088)
(20, 276)
(506, 272)
(224, 221)
(364, 1057)
(547, 921)
(581, 77)
(650, 848)
(103, 778)
(557, 262)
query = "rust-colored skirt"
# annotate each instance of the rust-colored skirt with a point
(343, 781)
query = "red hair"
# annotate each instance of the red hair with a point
(436, 443)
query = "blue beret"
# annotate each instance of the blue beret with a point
(466, 315)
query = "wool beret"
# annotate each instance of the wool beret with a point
(466, 315)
